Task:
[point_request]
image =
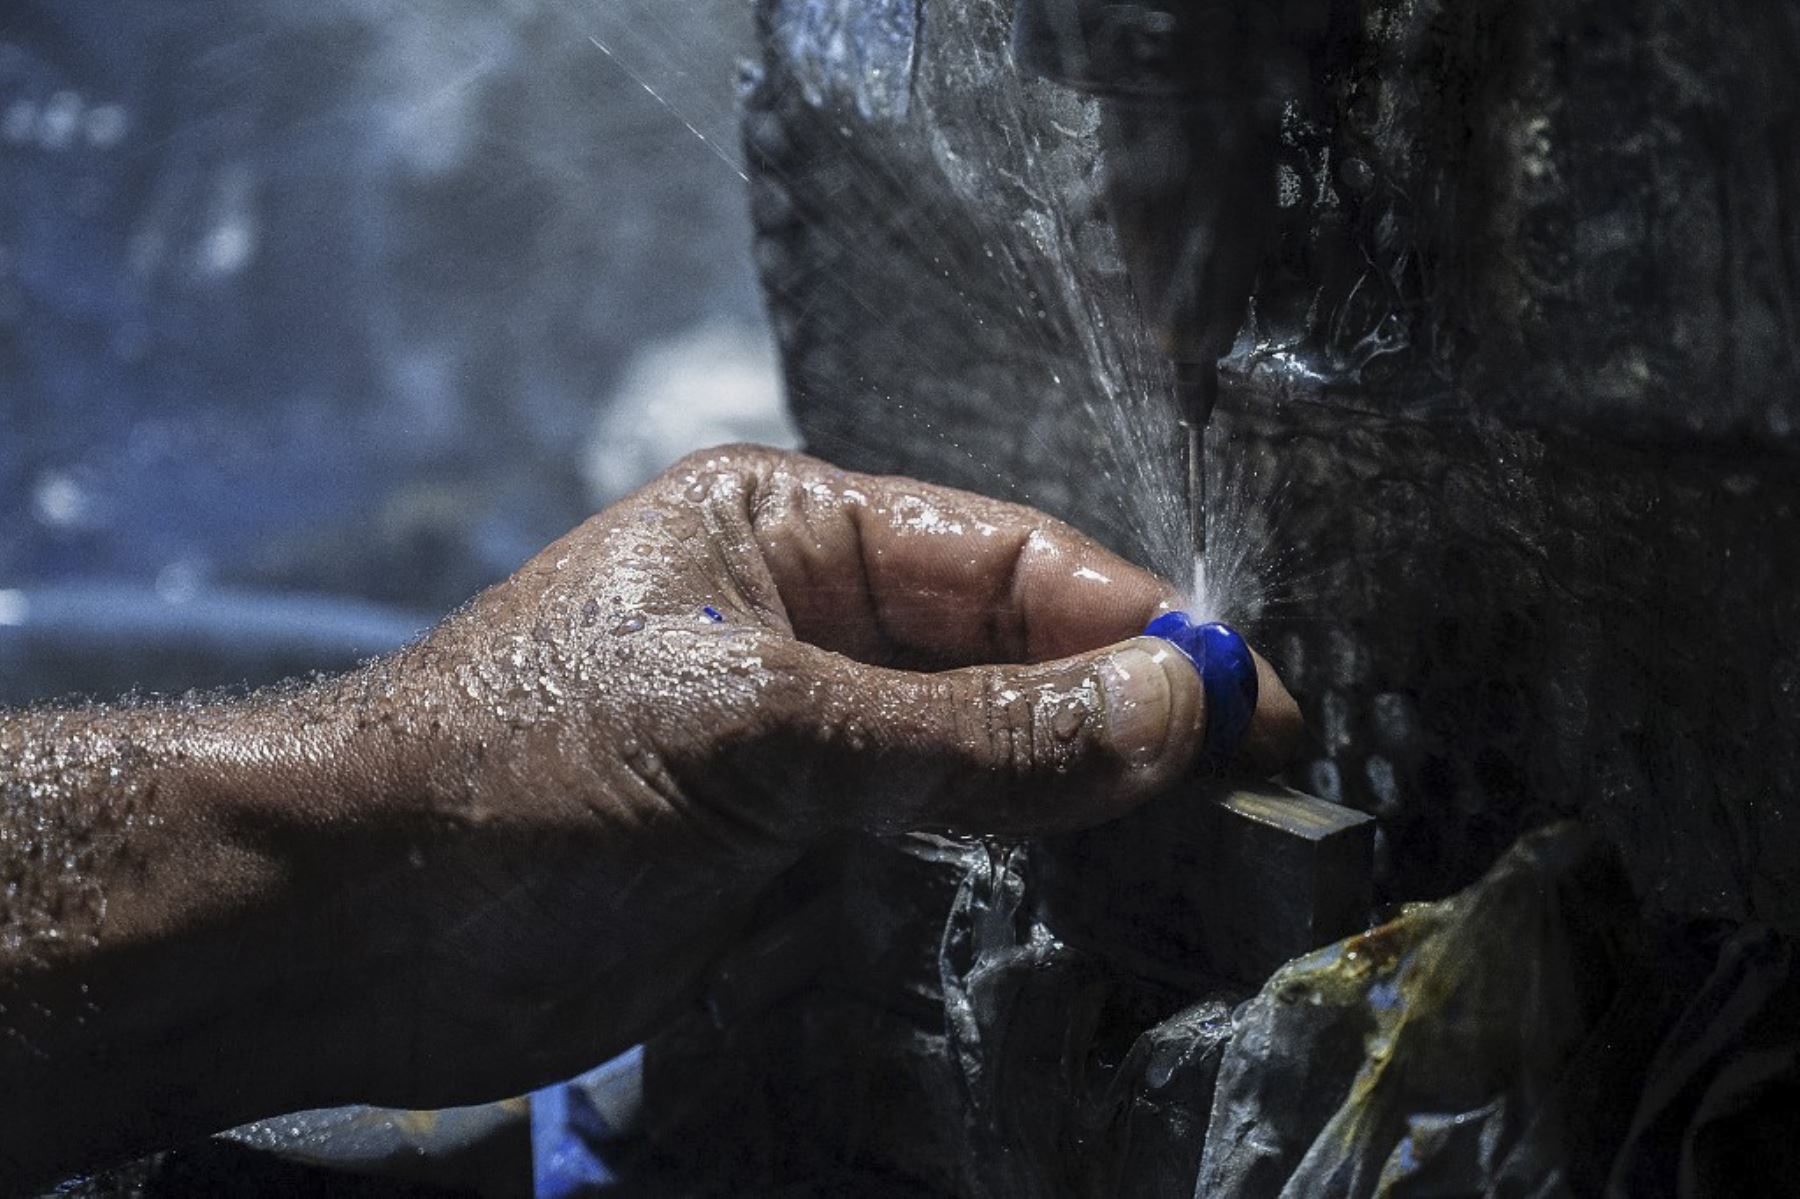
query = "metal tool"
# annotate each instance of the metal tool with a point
(1191, 94)
(1196, 395)
(1224, 879)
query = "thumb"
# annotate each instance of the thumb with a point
(1013, 749)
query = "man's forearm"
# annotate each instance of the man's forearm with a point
(171, 936)
(514, 848)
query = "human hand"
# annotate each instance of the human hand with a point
(488, 861)
(668, 706)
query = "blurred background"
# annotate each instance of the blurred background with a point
(315, 319)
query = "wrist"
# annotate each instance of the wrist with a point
(208, 981)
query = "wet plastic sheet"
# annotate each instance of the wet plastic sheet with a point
(1498, 1043)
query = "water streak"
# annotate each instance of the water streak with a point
(1070, 329)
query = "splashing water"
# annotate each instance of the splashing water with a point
(1239, 579)
(1045, 310)
(1038, 315)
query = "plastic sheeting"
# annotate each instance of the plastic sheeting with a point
(1530, 1036)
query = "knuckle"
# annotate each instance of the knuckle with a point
(769, 686)
(1006, 726)
(733, 456)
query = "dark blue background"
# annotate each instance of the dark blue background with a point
(309, 313)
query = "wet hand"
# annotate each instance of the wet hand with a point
(636, 733)
(490, 860)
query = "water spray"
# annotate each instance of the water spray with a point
(1190, 95)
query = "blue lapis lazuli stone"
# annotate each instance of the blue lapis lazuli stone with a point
(1227, 675)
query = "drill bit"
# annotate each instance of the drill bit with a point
(1197, 390)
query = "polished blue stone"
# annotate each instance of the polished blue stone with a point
(1227, 676)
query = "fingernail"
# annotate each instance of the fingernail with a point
(1138, 702)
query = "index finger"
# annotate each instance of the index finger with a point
(898, 572)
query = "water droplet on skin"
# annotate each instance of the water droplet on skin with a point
(1071, 714)
(631, 624)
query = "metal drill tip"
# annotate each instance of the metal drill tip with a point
(1196, 486)
(1197, 390)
